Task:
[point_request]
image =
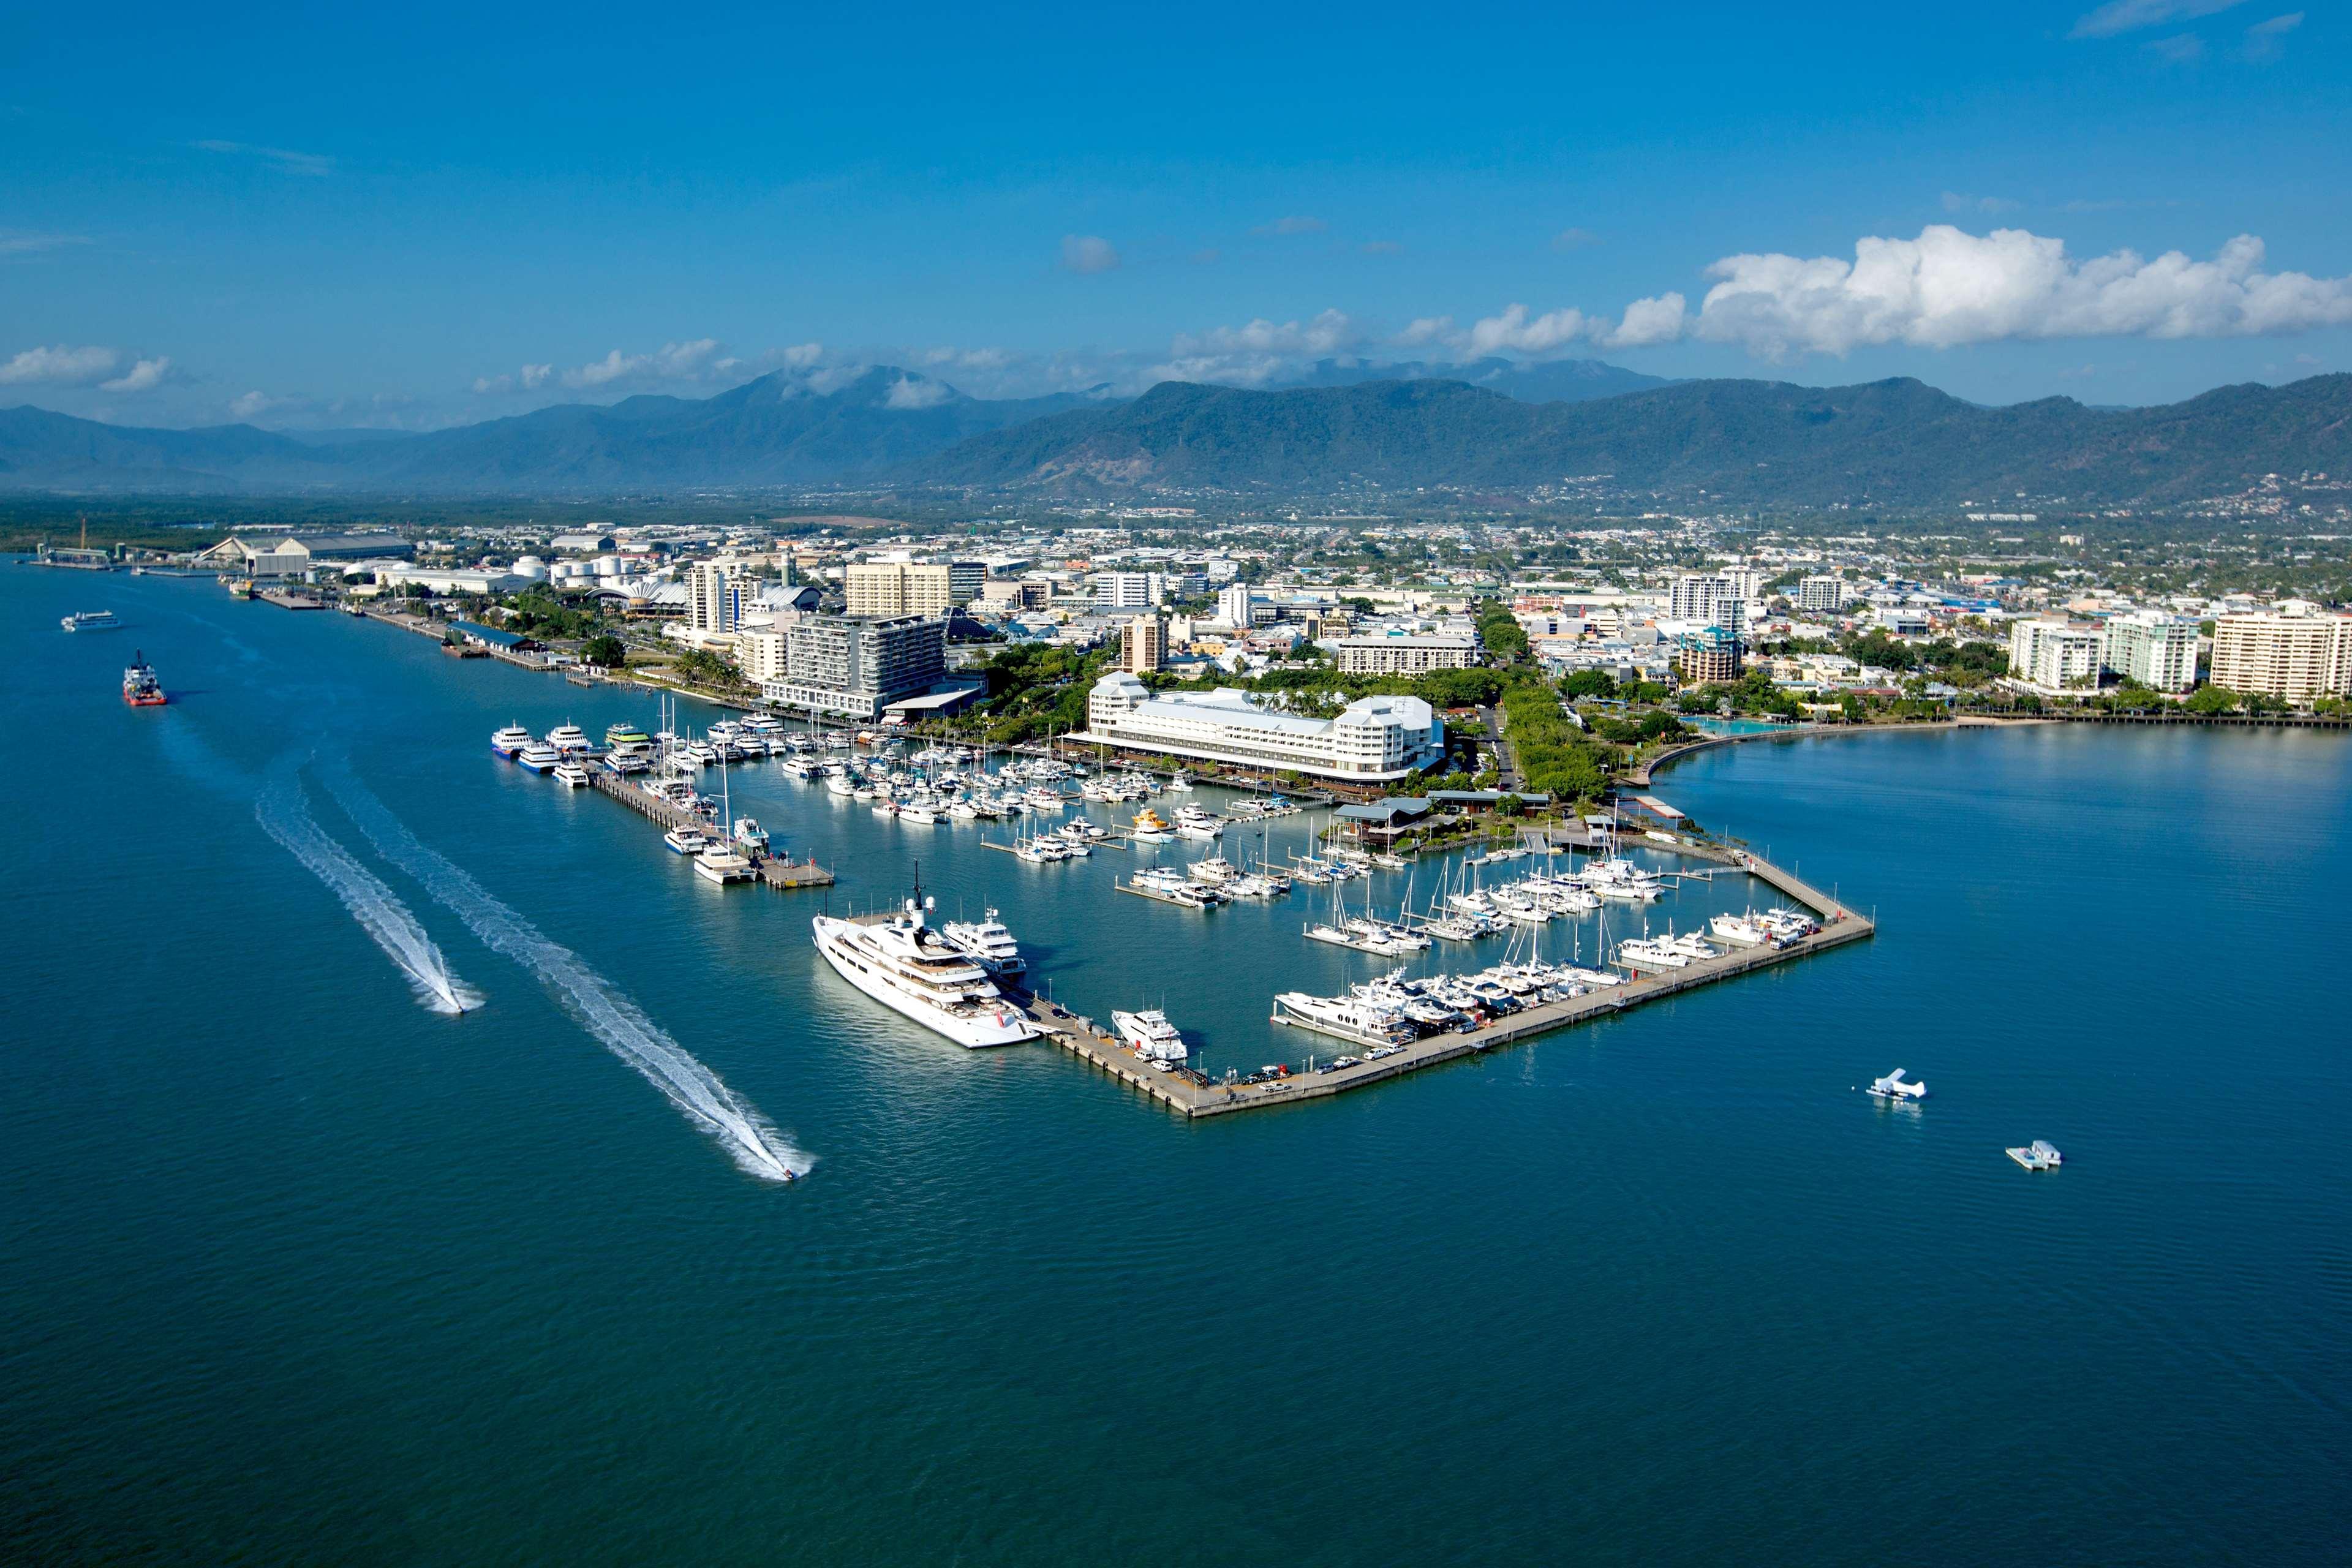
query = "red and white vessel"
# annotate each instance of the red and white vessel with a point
(140, 687)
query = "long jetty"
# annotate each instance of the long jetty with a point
(775, 870)
(1192, 1097)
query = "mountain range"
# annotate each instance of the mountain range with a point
(1489, 425)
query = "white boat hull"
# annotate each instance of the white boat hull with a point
(999, 1025)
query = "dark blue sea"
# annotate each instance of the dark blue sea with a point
(297, 1267)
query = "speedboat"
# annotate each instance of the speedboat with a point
(1150, 1035)
(510, 740)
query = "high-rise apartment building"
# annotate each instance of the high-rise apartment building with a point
(1821, 594)
(888, 588)
(714, 597)
(1711, 600)
(2297, 652)
(2054, 655)
(2157, 651)
(964, 578)
(1128, 591)
(1143, 644)
(842, 664)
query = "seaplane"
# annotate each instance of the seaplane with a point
(1896, 1089)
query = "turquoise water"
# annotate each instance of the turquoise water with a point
(297, 1267)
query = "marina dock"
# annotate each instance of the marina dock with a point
(1190, 1097)
(776, 871)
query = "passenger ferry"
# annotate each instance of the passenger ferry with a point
(907, 967)
(91, 621)
(568, 738)
(509, 741)
(571, 774)
(539, 757)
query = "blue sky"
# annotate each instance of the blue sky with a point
(443, 214)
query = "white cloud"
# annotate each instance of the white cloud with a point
(800, 356)
(315, 164)
(19, 242)
(1088, 253)
(145, 375)
(1514, 332)
(1425, 330)
(59, 367)
(535, 375)
(1331, 333)
(2130, 15)
(253, 405)
(692, 361)
(1298, 223)
(1947, 288)
(914, 392)
(1658, 320)
(2267, 40)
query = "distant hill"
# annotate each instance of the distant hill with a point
(1555, 381)
(781, 429)
(1898, 443)
(1891, 443)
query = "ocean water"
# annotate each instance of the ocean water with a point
(295, 1263)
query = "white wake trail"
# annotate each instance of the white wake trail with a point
(285, 816)
(604, 1012)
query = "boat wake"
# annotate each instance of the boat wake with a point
(623, 1027)
(285, 816)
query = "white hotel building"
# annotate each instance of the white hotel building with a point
(1374, 740)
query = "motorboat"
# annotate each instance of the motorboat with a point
(570, 773)
(624, 734)
(2039, 1155)
(901, 963)
(1215, 869)
(1042, 849)
(1348, 1017)
(1149, 827)
(510, 741)
(1150, 1035)
(751, 835)
(721, 864)
(989, 943)
(686, 840)
(1642, 953)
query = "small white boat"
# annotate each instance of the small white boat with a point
(751, 835)
(686, 840)
(570, 773)
(1739, 931)
(722, 866)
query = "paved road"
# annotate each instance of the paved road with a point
(1507, 762)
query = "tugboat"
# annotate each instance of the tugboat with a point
(140, 687)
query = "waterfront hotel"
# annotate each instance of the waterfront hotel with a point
(1373, 740)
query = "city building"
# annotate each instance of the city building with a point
(1236, 606)
(762, 655)
(1403, 654)
(1372, 739)
(1143, 644)
(2297, 652)
(856, 667)
(714, 597)
(1710, 655)
(964, 580)
(882, 589)
(1128, 591)
(1712, 600)
(294, 555)
(2157, 651)
(2054, 655)
(1014, 595)
(1822, 596)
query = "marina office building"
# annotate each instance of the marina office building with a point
(855, 667)
(1373, 740)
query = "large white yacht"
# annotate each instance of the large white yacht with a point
(910, 968)
(987, 940)
(1150, 1036)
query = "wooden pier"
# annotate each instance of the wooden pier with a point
(1190, 1097)
(775, 870)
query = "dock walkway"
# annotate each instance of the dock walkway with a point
(775, 870)
(1191, 1098)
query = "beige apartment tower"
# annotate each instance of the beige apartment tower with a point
(880, 589)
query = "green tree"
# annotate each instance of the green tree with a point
(606, 651)
(2211, 700)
